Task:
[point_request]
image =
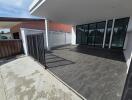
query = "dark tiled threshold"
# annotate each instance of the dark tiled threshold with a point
(113, 54)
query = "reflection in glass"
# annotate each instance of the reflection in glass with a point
(92, 32)
(99, 34)
(84, 34)
(79, 31)
(119, 33)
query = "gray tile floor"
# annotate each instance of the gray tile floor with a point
(94, 77)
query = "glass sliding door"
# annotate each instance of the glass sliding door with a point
(99, 35)
(108, 33)
(119, 34)
(81, 34)
(79, 31)
(84, 34)
(92, 33)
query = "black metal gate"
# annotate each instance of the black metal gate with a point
(36, 47)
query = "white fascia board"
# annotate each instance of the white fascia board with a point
(33, 4)
(36, 7)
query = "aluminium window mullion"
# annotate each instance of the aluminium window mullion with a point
(112, 31)
(106, 25)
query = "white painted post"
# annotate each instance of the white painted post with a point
(46, 34)
(105, 33)
(65, 38)
(111, 36)
(73, 39)
(24, 41)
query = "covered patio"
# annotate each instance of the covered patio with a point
(90, 73)
(94, 73)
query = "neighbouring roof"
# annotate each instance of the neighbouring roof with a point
(7, 22)
(11, 19)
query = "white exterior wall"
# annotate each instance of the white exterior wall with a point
(128, 45)
(58, 38)
(68, 38)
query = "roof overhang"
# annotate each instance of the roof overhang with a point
(81, 11)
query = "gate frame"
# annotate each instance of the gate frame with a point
(36, 56)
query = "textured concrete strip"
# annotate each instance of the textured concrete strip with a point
(25, 79)
(2, 90)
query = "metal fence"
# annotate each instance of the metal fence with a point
(10, 48)
(36, 47)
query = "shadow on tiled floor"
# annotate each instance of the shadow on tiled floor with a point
(56, 61)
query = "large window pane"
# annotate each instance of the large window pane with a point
(91, 35)
(99, 34)
(78, 34)
(84, 34)
(108, 33)
(119, 34)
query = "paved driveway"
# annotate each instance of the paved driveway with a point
(25, 79)
(96, 77)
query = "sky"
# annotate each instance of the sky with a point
(15, 8)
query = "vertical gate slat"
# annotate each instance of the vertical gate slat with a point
(36, 47)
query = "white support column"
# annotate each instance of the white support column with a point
(46, 34)
(111, 36)
(73, 39)
(24, 41)
(126, 41)
(105, 33)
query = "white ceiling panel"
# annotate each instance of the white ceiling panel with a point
(83, 11)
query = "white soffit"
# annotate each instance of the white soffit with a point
(83, 11)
